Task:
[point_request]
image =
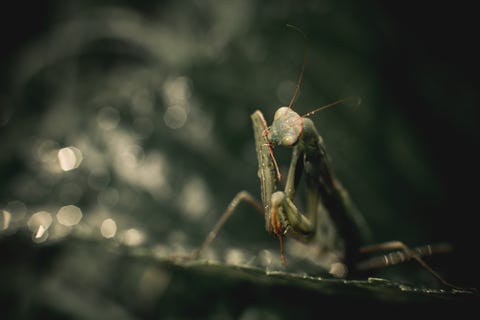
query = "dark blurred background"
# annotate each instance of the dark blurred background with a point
(126, 124)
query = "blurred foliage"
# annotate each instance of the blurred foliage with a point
(128, 124)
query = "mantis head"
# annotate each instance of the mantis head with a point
(286, 128)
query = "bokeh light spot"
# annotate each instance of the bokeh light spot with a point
(40, 232)
(175, 117)
(69, 158)
(132, 155)
(41, 218)
(6, 218)
(178, 90)
(195, 199)
(108, 229)
(69, 215)
(234, 256)
(338, 270)
(39, 223)
(133, 237)
(152, 284)
(266, 257)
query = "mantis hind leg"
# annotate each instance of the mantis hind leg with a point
(242, 196)
(401, 253)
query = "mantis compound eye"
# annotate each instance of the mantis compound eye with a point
(289, 140)
(281, 112)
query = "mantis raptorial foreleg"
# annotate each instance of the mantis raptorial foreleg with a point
(268, 175)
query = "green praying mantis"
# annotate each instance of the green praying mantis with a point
(325, 199)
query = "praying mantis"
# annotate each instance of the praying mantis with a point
(324, 197)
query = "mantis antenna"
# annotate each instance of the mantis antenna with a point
(299, 82)
(356, 100)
